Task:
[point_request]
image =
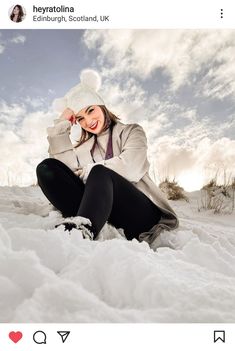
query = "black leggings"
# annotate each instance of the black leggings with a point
(106, 197)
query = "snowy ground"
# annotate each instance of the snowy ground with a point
(47, 275)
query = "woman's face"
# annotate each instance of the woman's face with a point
(91, 119)
(16, 10)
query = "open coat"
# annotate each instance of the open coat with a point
(129, 160)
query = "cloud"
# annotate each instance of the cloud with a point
(219, 82)
(35, 102)
(205, 159)
(51, 91)
(11, 114)
(2, 48)
(191, 152)
(23, 143)
(18, 39)
(125, 98)
(181, 55)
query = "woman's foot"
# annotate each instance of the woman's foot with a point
(80, 223)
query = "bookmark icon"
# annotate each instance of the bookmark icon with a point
(219, 335)
(63, 335)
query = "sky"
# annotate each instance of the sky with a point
(178, 84)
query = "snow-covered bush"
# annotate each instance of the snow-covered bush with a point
(172, 190)
(219, 198)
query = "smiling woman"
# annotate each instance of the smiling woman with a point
(101, 119)
(91, 119)
(104, 178)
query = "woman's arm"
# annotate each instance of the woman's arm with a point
(132, 163)
(60, 145)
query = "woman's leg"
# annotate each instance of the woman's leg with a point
(110, 197)
(60, 185)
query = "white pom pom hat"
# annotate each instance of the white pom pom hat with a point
(82, 95)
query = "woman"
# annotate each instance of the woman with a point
(17, 14)
(104, 178)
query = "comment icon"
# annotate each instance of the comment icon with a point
(39, 337)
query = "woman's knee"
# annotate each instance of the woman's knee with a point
(50, 162)
(98, 170)
(45, 169)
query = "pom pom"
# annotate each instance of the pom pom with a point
(59, 105)
(90, 78)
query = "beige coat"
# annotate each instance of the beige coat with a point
(130, 161)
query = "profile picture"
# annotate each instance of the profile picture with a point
(17, 13)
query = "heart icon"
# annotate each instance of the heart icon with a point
(15, 336)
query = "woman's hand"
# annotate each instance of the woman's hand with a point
(69, 115)
(79, 172)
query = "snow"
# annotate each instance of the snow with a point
(48, 275)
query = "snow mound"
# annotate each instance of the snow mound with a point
(48, 275)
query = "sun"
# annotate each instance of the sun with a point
(191, 180)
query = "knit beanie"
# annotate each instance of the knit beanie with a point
(83, 94)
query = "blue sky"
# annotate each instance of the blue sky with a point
(47, 59)
(178, 84)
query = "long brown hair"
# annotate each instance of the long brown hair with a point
(20, 15)
(109, 119)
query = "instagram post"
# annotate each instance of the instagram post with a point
(117, 178)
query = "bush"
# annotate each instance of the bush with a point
(219, 198)
(172, 190)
